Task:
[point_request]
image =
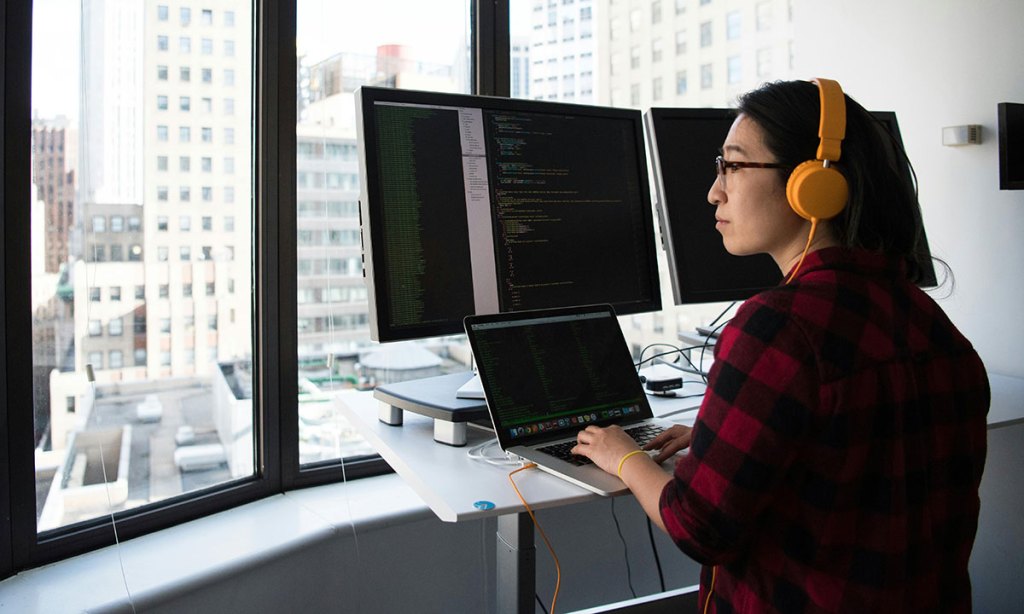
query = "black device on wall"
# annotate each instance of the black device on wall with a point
(1011, 145)
(684, 143)
(475, 204)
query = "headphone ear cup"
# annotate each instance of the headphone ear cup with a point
(816, 191)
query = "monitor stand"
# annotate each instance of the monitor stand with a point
(437, 398)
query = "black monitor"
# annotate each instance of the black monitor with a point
(684, 143)
(474, 205)
(1011, 145)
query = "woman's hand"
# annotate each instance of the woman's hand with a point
(670, 441)
(605, 446)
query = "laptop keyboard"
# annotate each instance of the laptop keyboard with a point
(641, 435)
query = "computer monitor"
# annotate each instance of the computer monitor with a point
(684, 143)
(474, 204)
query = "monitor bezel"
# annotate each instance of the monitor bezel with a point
(1011, 143)
(371, 235)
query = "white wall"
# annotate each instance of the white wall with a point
(941, 63)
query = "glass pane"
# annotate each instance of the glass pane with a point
(143, 387)
(338, 52)
(636, 54)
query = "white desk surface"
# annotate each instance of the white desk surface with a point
(449, 481)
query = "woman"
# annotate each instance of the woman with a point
(835, 461)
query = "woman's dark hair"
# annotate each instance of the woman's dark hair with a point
(883, 213)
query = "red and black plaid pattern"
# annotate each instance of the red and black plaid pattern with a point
(837, 455)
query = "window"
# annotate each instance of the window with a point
(161, 103)
(734, 70)
(656, 50)
(184, 193)
(115, 293)
(229, 316)
(206, 46)
(656, 11)
(99, 223)
(184, 223)
(117, 223)
(705, 34)
(680, 42)
(656, 89)
(705, 76)
(116, 253)
(732, 25)
(764, 63)
(94, 295)
(207, 134)
(763, 16)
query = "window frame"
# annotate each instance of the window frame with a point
(275, 393)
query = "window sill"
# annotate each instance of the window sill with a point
(167, 564)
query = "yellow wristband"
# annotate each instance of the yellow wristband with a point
(625, 458)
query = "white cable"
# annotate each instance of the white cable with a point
(113, 525)
(478, 453)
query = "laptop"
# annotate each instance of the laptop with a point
(548, 374)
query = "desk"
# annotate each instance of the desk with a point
(458, 488)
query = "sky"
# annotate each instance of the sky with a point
(433, 29)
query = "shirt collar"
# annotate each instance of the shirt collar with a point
(851, 259)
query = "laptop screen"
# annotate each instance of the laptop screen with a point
(547, 374)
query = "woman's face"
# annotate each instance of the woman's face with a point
(752, 213)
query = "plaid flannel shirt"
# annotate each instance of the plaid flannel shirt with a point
(837, 455)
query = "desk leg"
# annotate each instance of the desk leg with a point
(516, 564)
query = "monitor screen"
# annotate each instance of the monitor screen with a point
(1011, 145)
(474, 205)
(684, 143)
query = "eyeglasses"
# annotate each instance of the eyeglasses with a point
(722, 165)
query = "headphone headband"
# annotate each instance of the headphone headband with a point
(832, 127)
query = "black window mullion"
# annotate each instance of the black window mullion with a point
(277, 407)
(19, 508)
(491, 73)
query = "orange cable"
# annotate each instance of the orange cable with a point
(558, 568)
(707, 602)
(810, 237)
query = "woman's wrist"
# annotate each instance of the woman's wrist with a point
(625, 458)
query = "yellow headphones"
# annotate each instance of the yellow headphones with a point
(815, 190)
